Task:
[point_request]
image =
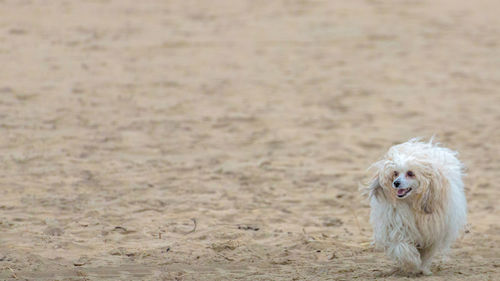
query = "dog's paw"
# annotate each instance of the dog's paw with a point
(426, 272)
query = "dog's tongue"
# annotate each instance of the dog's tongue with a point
(401, 191)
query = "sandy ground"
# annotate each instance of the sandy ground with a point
(226, 140)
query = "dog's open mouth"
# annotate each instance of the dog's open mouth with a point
(402, 192)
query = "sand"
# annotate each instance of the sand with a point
(226, 140)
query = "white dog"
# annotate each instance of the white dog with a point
(417, 200)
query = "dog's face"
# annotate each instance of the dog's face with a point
(408, 176)
(401, 179)
(404, 182)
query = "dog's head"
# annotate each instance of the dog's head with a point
(408, 173)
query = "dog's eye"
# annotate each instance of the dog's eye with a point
(396, 173)
(410, 174)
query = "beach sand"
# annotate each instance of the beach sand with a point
(227, 140)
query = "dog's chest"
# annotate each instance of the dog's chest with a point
(419, 228)
(430, 227)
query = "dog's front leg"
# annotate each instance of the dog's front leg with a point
(406, 255)
(426, 254)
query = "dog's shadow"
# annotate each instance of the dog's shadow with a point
(397, 272)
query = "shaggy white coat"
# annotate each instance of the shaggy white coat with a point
(430, 217)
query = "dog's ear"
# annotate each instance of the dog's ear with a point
(431, 197)
(427, 200)
(375, 189)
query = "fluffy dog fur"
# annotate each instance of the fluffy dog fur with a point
(418, 206)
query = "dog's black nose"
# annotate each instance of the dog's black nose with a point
(397, 183)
